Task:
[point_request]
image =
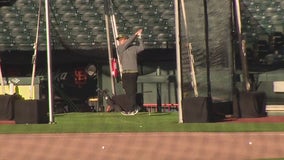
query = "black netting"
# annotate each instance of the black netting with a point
(262, 26)
(220, 48)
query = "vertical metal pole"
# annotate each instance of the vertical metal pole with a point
(49, 63)
(178, 60)
(1, 78)
(242, 46)
(159, 93)
(110, 53)
(114, 31)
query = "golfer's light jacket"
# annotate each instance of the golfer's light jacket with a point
(128, 54)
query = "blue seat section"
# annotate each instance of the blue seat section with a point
(80, 24)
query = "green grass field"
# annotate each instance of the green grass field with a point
(89, 122)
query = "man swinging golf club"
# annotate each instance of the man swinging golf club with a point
(128, 62)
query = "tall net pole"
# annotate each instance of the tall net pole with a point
(49, 63)
(114, 31)
(110, 52)
(177, 32)
(242, 46)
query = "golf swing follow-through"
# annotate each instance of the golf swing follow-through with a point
(127, 53)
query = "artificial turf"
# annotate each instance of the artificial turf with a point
(103, 122)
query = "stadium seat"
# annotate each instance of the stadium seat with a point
(163, 37)
(63, 9)
(90, 15)
(97, 30)
(23, 40)
(15, 24)
(100, 37)
(141, 2)
(85, 41)
(85, 8)
(30, 19)
(270, 11)
(135, 21)
(19, 31)
(5, 39)
(11, 17)
(170, 22)
(62, 2)
(167, 14)
(24, 9)
(158, 29)
(68, 15)
(276, 19)
(165, 6)
(75, 30)
(99, 7)
(125, 7)
(79, 3)
(24, 1)
(84, 38)
(3, 27)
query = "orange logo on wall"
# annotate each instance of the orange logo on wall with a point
(80, 77)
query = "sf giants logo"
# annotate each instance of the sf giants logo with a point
(80, 77)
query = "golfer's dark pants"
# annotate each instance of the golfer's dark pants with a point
(129, 84)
